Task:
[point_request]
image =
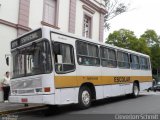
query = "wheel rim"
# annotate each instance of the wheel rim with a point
(85, 97)
(136, 90)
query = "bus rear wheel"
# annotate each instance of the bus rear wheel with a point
(84, 98)
(135, 92)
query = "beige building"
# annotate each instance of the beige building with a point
(81, 17)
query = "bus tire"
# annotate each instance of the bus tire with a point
(135, 91)
(84, 98)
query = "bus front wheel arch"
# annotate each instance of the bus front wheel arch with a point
(86, 95)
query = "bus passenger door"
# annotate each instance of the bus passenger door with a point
(65, 76)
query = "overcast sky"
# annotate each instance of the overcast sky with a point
(143, 15)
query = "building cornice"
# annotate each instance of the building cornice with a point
(99, 3)
(88, 9)
(13, 25)
(49, 25)
(94, 6)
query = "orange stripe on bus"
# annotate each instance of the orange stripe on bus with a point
(76, 81)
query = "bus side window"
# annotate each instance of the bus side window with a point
(64, 57)
(87, 54)
(108, 57)
(123, 59)
(134, 59)
(144, 63)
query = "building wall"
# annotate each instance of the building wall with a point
(6, 35)
(12, 22)
(9, 10)
(36, 13)
(9, 13)
(63, 15)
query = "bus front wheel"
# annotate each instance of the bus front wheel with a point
(84, 98)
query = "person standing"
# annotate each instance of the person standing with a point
(6, 86)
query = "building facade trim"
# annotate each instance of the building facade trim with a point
(99, 3)
(13, 25)
(72, 16)
(88, 9)
(49, 25)
(94, 6)
(24, 12)
(10, 24)
(23, 18)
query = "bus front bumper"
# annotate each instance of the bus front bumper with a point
(38, 99)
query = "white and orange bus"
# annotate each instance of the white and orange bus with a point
(53, 68)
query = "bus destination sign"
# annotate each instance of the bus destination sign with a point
(26, 39)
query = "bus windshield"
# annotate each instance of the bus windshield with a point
(32, 60)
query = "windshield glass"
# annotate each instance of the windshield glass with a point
(32, 60)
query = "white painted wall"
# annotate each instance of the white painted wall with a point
(95, 26)
(64, 15)
(36, 13)
(9, 10)
(6, 35)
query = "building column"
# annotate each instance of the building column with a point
(23, 18)
(72, 16)
(101, 27)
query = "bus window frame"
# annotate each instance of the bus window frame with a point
(105, 47)
(122, 51)
(132, 54)
(73, 56)
(87, 42)
(148, 63)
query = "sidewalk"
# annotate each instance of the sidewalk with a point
(6, 108)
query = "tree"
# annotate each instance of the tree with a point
(155, 56)
(151, 37)
(114, 8)
(153, 43)
(126, 39)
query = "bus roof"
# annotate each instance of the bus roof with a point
(49, 29)
(93, 41)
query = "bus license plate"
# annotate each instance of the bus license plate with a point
(24, 100)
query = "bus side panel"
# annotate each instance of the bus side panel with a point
(145, 85)
(99, 92)
(66, 96)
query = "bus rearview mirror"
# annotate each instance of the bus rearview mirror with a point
(7, 61)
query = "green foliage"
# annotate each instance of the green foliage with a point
(151, 37)
(153, 43)
(155, 56)
(126, 39)
(148, 43)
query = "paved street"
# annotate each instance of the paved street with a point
(146, 103)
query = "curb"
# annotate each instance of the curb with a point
(21, 109)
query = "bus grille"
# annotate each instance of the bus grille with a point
(26, 84)
(25, 91)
